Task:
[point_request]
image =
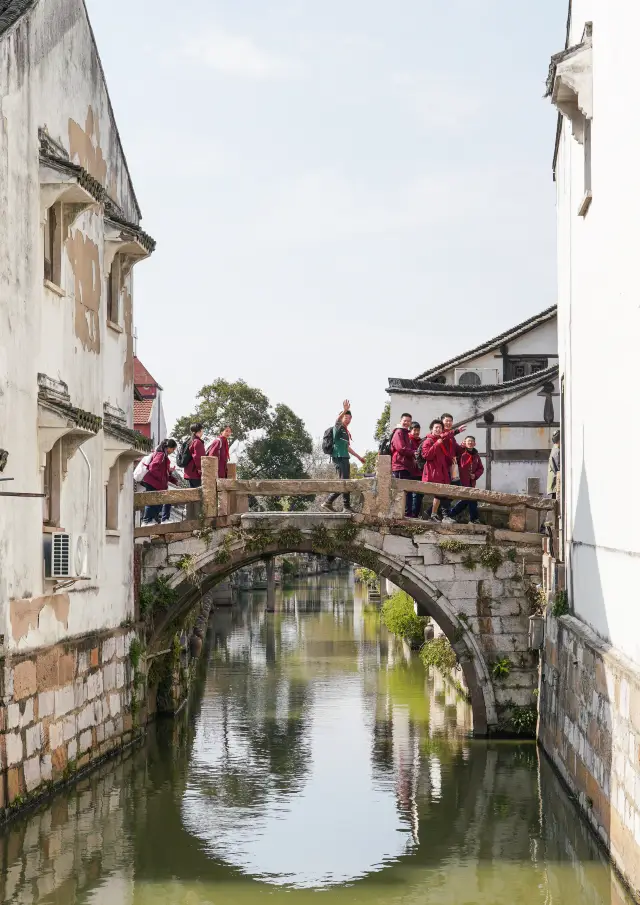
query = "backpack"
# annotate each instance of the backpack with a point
(327, 441)
(419, 458)
(141, 469)
(184, 456)
(384, 447)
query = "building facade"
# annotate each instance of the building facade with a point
(148, 411)
(507, 393)
(590, 690)
(70, 236)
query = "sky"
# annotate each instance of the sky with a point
(341, 192)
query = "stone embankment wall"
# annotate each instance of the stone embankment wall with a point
(589, 726)
(62, 709)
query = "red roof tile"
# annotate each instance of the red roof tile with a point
(141, 377)
(142, 411)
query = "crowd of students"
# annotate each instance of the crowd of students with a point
(438, 458)
(159, 470)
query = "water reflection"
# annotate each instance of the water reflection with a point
(314, 756)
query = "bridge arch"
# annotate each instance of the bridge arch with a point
(420, 560)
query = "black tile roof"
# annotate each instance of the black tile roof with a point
(490, 344)
(400, 385)
(11, 11)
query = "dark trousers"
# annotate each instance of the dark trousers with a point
(343, 470)
(445, 505)
(412, 501)
(461, 505)
(155, 513)
(195, 482)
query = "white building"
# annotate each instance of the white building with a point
(590, 696)
(506, 391)
(69, 237)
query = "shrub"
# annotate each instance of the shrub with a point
(501, 668)
(524, 719)
(560, 605)
(399, 616)
(439, 653)
(366, 576)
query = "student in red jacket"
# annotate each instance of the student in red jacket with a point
(158, 475)
(437, 467)
(416, 471)
(453, 449)
(220, 448)
(193, 469)
(471, 468)
(402, 456)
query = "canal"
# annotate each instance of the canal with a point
(313, 756)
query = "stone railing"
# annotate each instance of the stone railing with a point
(383, 497)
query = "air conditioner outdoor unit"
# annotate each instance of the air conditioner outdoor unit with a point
(475, 377)
(66, 556)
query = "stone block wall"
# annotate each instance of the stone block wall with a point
(62, 708)
(589, 725)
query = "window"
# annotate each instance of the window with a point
(51, 486)
(113, 292)
(53, 244)
(524, 367)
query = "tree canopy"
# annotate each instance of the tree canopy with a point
(223, 402)
(281, 451)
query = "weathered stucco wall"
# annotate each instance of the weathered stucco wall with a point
(50, 77)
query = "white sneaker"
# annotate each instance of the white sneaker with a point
(165, 521)
(147, 524)
(327, 507)
(447, 520)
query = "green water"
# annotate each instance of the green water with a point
(314, 760)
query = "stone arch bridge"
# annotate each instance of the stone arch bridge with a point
(477, 583)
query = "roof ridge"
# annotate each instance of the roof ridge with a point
(401, 384)
(488, 344)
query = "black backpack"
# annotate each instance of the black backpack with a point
(420, 461)
(184, 456)
(384, 447)
(327, 441)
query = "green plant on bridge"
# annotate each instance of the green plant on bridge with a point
(156, 596)
(501, 668)
(290, 536)
(399, 616)
(560, 606)
(490, 557)
(512, 554)
(453, 546)
(439, 653)
(469, 562)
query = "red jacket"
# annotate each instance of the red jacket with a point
(220, 448)
(416, 471)
(159, 473)
(194, 469)
(451, 445)
(438, 461)
(471, 467)
(401, 450)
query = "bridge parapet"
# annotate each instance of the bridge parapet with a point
(383, 496)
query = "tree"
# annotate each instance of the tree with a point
(369, 467)
(383, 423)
(281, 452)
(223, 402)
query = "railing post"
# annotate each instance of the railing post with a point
(518, 518)
(209, 486)
(384, 501)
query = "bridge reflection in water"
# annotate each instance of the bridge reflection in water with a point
(314, 755)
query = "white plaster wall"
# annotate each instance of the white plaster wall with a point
(540, 340)
(50, 75)
(599, 330)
